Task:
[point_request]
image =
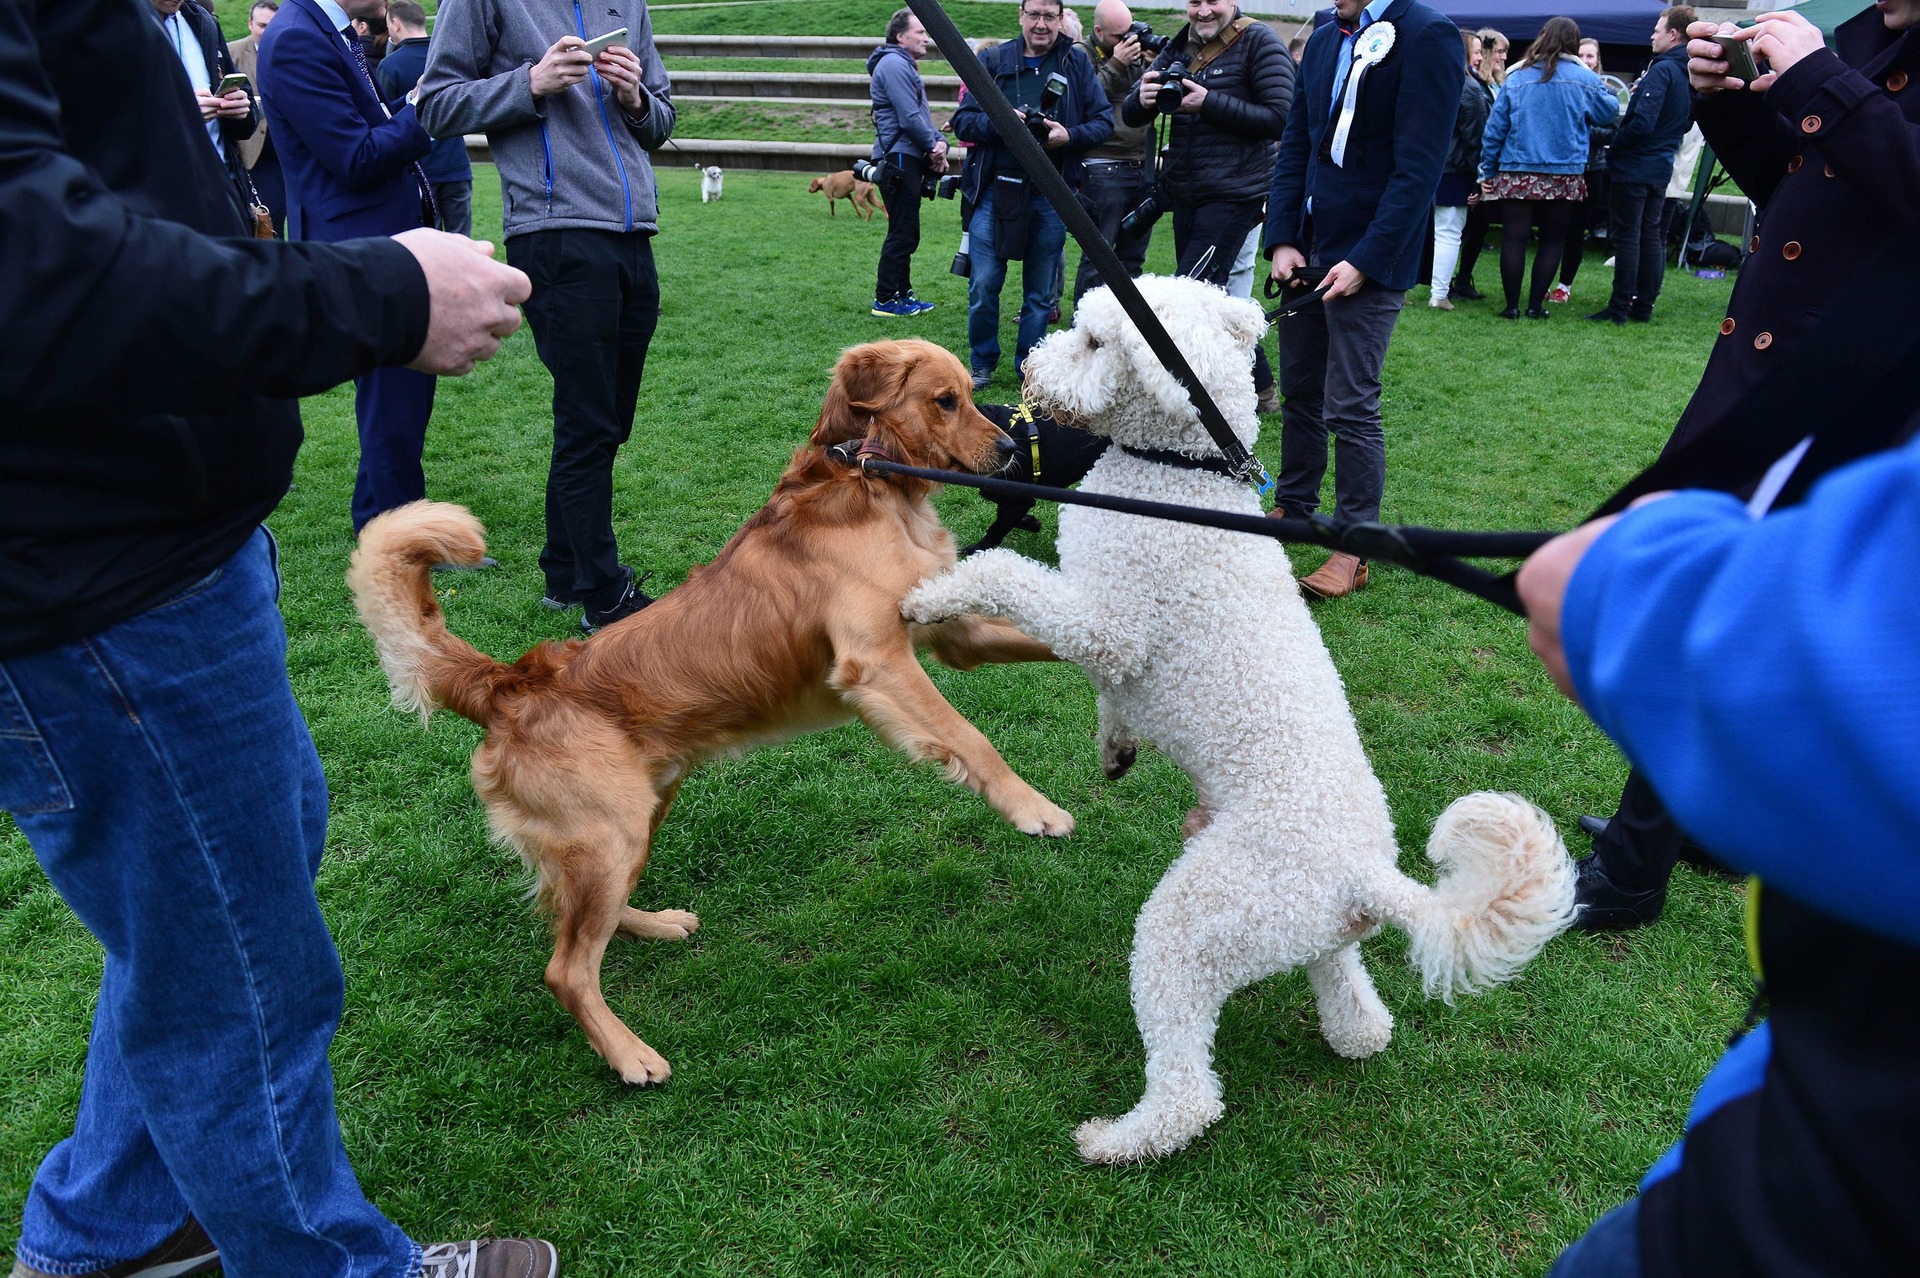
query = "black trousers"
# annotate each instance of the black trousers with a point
(900, 192)
(1641, 843)
(1636, 222)
(1207, 240)
(595, 304)
(1473, 238)
(1110, 191)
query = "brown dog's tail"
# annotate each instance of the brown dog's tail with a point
(390, 576)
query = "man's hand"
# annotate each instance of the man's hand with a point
(1128, 51)
(209, 104)
(563, 65)
(1286, 260)
(1190, 101)
(474, 301)
(1056, 135)
(1148, 85)
(1783, 39)
(1542, 584)
(1706, 65)
(937, 158)
(234, 106)
(1343, 280)
(621, 67)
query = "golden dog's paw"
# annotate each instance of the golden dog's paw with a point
(642, 1066)
(1043, 817)
(685, 921)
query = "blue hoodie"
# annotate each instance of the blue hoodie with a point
(1542, 126)
(901, 116)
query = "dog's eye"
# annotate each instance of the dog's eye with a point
(1093, 343)
(947, 402)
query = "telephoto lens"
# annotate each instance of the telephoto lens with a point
(867, 171)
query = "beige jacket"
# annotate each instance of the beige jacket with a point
(245, 53)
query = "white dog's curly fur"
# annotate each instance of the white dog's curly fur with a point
(1199, 640)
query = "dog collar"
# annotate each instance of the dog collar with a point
(852, 450)
(1166, 457)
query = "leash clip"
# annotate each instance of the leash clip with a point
(1252, 472)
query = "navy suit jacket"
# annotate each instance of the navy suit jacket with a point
(348, 166)
(1373, 211)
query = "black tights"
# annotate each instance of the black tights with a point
(1516, 219)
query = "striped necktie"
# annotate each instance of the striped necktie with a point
(429, 207)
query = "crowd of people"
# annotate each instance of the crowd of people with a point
(1750, 650)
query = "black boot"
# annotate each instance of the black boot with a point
(1604, 906)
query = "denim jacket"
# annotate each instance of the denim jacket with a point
(1542, 126)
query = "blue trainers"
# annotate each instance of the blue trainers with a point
(894, 306)
(919, 307)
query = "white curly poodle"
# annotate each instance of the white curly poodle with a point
(1199, 641)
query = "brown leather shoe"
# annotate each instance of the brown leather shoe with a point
(1341, 575)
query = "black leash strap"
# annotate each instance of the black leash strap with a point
(1047, 181)
(1431, 552)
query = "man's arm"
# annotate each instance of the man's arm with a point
(1777, 722)
(457, 97)
(1263, 112)
(312, 100)
(1422, 127)
(1289, 189)
(1863, 133)
(653, 125)
(1132, 110)
(900, 85)
(1096, 113)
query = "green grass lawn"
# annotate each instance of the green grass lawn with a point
(898, 1008)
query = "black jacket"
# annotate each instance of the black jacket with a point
(1476, 100)
(1831, 153)
(1657, 117)
(1226, 151)
(1083, 110)
(147, 370)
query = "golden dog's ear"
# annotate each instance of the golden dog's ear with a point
(866, 381)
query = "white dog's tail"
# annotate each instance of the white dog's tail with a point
(1505, 889)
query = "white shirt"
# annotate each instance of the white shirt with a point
(187, 45)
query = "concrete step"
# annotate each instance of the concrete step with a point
(942, 90)
(854, 48)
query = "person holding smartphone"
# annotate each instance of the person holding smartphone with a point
(226, 103)
(570, 124)
(1827, 141)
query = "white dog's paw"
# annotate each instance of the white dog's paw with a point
(1358, 1033)
(935, 600)
(1100, 1142)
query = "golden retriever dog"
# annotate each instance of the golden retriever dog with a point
(845, 186)
(794, 627)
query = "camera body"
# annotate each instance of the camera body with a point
(943, 186)
(1172, 88)
(1039, 117)
(1148, 40)
(1141, 217)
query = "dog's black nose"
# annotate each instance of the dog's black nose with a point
(1006, 445)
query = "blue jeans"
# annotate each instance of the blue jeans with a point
(170, 789)
(1045, 251)
(1609, 1249)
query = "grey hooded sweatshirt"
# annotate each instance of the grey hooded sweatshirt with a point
(575, 159)
(902, 120)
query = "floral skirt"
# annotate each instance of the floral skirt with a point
(1539, 186)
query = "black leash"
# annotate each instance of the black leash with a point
(1047, 181)
(1431, 552)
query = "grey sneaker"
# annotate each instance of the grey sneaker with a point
(490, 1258)
(187, 1250)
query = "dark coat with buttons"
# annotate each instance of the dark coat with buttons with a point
(1831, 154)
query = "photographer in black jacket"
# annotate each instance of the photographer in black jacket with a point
(1227, 110)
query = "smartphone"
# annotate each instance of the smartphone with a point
(228, 83)
(600, 44)
(1739, 57)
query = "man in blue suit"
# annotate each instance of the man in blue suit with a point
(352, 169)
(1359, 161)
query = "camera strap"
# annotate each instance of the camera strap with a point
(1047, 181)
(1218, 45)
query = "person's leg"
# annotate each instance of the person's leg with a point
(1131, 247)
(1626, 205)
(1303, 428)
(1046, 249)
(900, 193)
(1609, 1249)
(391, 407)
(1641, 844)
(1106, 189)
(1653, 253)
(983, 288)
(1580, 223)
(1448, 223)
(1472, 240)
(456, 206)
(639, 317)
(578, 315)
(182, 816)
(1556, 222)
(1516, 223)
(1359, 328)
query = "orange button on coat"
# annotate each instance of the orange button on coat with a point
(1726, 326)
(1810, 125)
(1790, 250)
(1793, 165)
(1762, 341)
(1897, 81)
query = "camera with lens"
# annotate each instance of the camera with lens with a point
(1141, 217)
(1148, 40)
(1172, 87)
(1039, 117)
(868, 170)
(942, 186)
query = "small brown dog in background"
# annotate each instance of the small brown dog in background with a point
(794, 627)
(845, 186)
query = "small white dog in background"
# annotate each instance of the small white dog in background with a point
(1198, 640)
(709, 183)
